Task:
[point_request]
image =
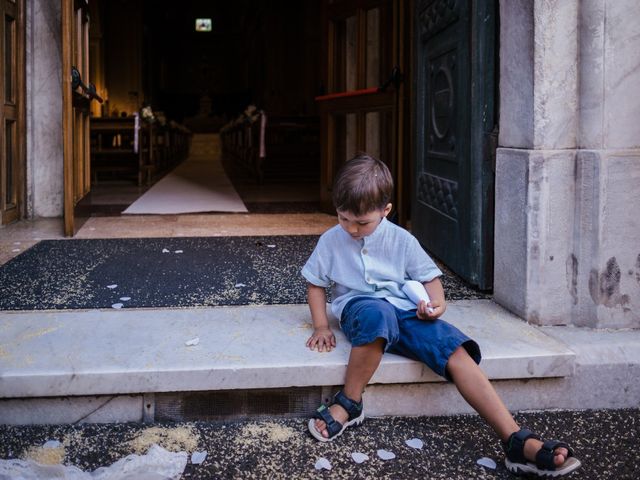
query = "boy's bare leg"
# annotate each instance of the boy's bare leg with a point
(363, 362)
(476, 389)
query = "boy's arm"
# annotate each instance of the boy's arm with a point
(322, 338)
(437, 303)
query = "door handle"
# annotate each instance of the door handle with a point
(395, 78)
(88, 90)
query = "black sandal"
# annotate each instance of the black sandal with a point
(335, 428)
(544, 466)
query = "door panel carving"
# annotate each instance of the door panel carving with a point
(452, 214)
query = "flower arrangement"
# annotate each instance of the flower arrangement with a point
(250, 115)
(146, 113)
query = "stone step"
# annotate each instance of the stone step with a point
(106, 352)
(134, 365)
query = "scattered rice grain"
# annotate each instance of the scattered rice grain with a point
(254, 433)
(45, 456)
(174, 439)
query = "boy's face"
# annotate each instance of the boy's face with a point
(364, 225)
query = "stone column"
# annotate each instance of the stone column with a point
(566, 209)
(607, 229)
(44, 108)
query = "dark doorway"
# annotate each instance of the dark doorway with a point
(201, 64)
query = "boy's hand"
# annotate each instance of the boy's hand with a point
(438, 308)
(322, 340)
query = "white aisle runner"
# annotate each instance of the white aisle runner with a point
(199, 184)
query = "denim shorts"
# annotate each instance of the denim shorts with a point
(364, 319)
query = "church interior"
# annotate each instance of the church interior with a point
(244, 70)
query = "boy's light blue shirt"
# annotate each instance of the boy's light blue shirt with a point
(376, 266)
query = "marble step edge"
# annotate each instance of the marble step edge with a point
(105, 352)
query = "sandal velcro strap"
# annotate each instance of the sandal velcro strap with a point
(544, 457)
(514, 446)
(333, 426)
(353, 408)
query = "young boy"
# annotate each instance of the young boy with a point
(367, 259)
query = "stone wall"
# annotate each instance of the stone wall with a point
(44, 108)
(568, 167)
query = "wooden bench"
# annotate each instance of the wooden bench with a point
(120, 148)
(126, 147)
(289, 151)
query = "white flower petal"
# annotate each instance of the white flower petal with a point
(487, 462)
(323, 463)
(125, 299)
(117, 305)
(359, 457)
(112, 286)
(415, 443)
(386, 455)
(193, 342)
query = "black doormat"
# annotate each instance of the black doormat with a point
(167, 272)
(157, 272)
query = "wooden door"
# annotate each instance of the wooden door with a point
(455, 127)
(77, 94)
(12, 114)
(361, 110)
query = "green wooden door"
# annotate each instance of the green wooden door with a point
(452, 212)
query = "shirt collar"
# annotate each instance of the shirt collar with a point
(377, 232)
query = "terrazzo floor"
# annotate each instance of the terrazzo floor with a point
(605, 441)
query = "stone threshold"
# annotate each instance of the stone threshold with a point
(116, 352)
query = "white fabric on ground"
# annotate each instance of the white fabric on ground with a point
(157, 464)
(199, 184)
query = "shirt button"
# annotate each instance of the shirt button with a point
(365, 251)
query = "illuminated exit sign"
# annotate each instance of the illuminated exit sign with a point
(203, 24)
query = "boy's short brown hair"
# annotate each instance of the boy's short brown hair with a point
(362, 185)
